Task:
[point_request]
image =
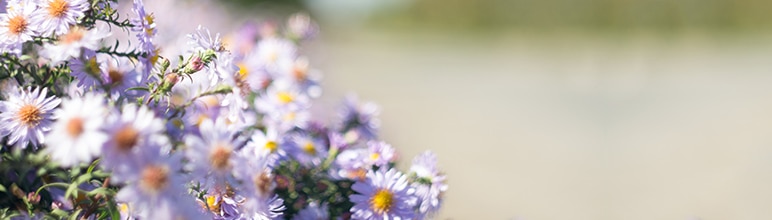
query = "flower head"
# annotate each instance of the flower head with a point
(16, 27)
(56, 16)
(134, 135)
(76, 136)
(384, 194)
(26, 116)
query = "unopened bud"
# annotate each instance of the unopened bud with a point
(195, 64)
(169, 81)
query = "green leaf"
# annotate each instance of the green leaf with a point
(2, 188)
(74, 215)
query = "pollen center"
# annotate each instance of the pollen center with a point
(219, 157)
(271, 145)
(17, 25)
(57, 8)
(116, 77)
(382, 201)
(309, 148)
(262, 182)
(154, 178)
(285, 97)
(126, 138)
(375, 156)
(75, 34)
(75, 127)
(30, 115)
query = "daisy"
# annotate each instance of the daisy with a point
(73, 42)
(276, 55)
(212, 154)
(384, 194)
(153, 191)
(429, 183)
(76, 136)
(202, 40)
(120, 74)
(380, 153)
(281, 97)
(351, 164)
(134, 135)
(307, 150)
(362, 119)
(16, 27)
(87, 70)
(54, 17)
(144, 25)
(26, 116)
(260, 202)
(270, 144)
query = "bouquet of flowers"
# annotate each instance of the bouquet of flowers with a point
(215, 130)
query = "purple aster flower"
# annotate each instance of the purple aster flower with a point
(26, 116)
(74, 42)
(429, 183)
(134, 135)
(306, 149)
(87, 71)
(359, 120)
(212, 154)
(202, 40)
(154, 190)
(384, 194)
(145, 27)
(380, 153)
(257, 185)
(54, 17)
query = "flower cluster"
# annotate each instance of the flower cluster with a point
(220, 129)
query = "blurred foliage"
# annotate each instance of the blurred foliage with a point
(612, 14)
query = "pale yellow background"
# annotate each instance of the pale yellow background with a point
(570, 125)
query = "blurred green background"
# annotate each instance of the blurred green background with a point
(616, 15)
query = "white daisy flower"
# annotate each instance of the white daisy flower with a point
(16, 27)
(212, 154)
(202, 40)
(56, 16)
(134, 135)
(154, 191)
(257, 186)
(277, 55)
(71, 44)
(26, 116)
(76, 136)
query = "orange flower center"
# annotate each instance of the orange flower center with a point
(30, 115)
(116, 77)
(263, 182)
(75, 34)
(17, 25)
(219, 157)
(154, 178)
(57, 8)
(75, 127)
(126, 138)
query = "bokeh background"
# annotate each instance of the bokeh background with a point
(553, 109)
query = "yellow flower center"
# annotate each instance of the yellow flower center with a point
(75, 127)
(29, 115)
(219, 156)
(154, 178)
(285, 97)
(382, 201)
(126, 138)
(92, 67)
(17, 25)
(150, 20)
(243, 71)
(290, 116)
(271, 145)
(57, 8)
(375, 156)
(309, 148)
(213, 204)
